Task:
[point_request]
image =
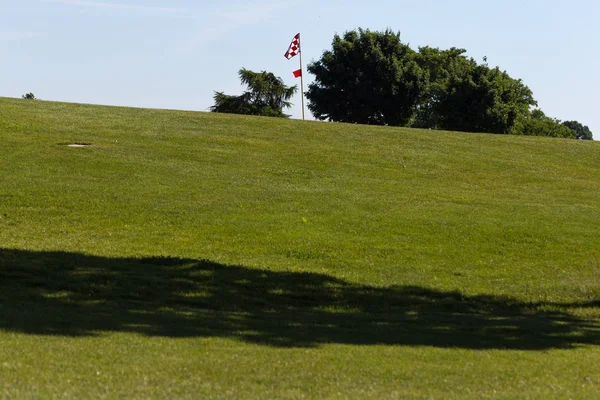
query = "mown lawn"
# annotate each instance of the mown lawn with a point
(199, 255)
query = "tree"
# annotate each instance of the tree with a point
(441, 66)
(373, 78)
(465, 96)
(29, 96)
(367, 78)
(581, 132)
(536, 123)
(266, 95)
(484, 100)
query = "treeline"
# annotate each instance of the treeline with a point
(373, 78)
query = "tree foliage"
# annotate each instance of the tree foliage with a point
(267, 95)
(368, 78)
(373, 78)
(581, 132)
(466, 96)
(441, 66)
(536, 123)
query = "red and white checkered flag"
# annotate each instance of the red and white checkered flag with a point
(294, 47)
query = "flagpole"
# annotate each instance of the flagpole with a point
(301, 79)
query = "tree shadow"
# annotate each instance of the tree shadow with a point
(69, 294)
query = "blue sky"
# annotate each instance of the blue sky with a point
(176, 53)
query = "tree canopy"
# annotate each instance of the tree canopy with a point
(581, 132)
(267, 95)
(536, 123)
(372, 77)
(466, 96)
(368, 78)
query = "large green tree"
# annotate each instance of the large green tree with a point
(466, 96)
(367, 77)
(267, 95)
(484, 100)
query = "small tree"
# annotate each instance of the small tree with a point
(536, 123)
(266, 95)
(29, 96)
(581, 132)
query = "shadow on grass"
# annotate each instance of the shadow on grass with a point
(58, 293)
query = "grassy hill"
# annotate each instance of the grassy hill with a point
(199, 255)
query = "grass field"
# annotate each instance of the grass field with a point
(199, 255)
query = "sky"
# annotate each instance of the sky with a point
(175, 54)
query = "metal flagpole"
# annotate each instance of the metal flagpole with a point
(301, 77)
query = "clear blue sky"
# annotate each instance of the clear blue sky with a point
(176, 53)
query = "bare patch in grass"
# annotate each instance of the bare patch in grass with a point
(79, 144)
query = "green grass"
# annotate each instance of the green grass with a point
(199, 255)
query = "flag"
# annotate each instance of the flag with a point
(294, 48)
(298, 73)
